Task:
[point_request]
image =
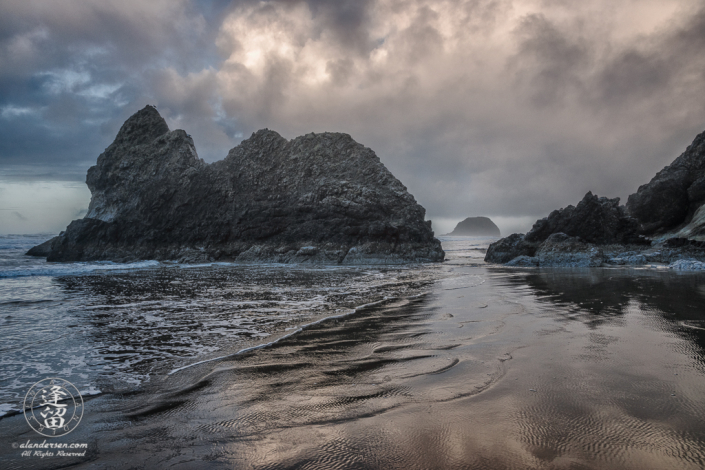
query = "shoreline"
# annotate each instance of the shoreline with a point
(298, 330)
(535, 359)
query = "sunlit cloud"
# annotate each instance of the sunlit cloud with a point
(503, 108)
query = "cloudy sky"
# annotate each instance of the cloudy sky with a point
(503, 108)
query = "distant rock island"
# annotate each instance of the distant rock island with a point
(476, 227)
(663, 222)
(319, 198)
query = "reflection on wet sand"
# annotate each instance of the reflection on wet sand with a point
(595, 296)
(488, 368)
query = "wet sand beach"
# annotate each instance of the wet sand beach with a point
(485, 367)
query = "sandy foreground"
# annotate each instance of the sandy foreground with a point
(487, 368)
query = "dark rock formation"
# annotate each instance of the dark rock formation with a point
(524, 261)
(670, 209)
(559, 238)
(558, 249)
(599, 231)
(42, 250)
(476, 227)
(674, 194)
(680, 242)
(317, 198)
(508, 248)
(562, 250)
(594, 220)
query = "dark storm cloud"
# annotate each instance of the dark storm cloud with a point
(556, 62)
(348, 19)
(549, 62)
(669, 66)
(641, 101)
(481, 107)
(521, 116)
(68, 69)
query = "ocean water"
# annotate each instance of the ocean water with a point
(110, 326)
(450, 366)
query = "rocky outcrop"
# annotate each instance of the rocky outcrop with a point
(43, 249)
(674, 194)
(476, 227)
(687, 265)
(693, 230)
(668, 212)
(506, 249)
(523, 261)
(569, 236)
(320, 198)
(594, 220)
(558, 249)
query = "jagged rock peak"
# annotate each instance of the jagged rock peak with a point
(321, 198)
(670, 209)
(595, 220)
(142, 127)
(571, 236)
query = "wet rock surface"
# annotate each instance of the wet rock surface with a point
(508, 248)
(524, 261)
(319, 198)
(560, 249)
(476, 227)
(687, 265)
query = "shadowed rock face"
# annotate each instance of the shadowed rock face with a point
(508, 248)
(317, 198)
(573, 236)
(477, 227)
(670, 208)
(594, 220)
(674, 194)
(568, 237)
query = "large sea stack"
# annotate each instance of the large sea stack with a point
(664, 221)
(319, 198)
(476, 227)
